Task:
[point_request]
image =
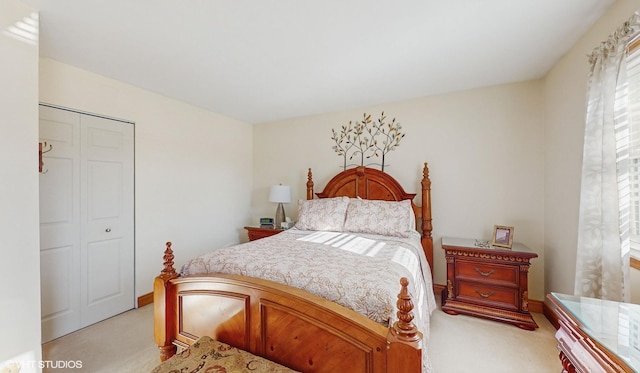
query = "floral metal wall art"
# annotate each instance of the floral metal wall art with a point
(366, 139)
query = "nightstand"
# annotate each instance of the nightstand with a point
(256, 233)
(491, 283)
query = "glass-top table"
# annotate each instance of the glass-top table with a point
(612, 325)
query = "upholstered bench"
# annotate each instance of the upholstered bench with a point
(208, 355)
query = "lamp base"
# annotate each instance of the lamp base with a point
(280, 217)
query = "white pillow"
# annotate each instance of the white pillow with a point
(388, 218)
(324, 214)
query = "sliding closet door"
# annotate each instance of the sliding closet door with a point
(87, 236)
(106, 239)
(60, 223)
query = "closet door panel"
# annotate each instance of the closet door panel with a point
(107, 224)
(60, 222)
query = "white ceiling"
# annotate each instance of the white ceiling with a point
(265, 60)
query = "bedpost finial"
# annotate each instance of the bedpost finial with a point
(426, 182)
(168, 271)
(309, 185)
(404, 328)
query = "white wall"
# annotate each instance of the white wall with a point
(192, 167)
(564, 95)
(484, 148)
(20, 299)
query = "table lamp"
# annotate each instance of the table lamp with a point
(280, 194)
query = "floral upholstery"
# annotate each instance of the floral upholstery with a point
(209, 356)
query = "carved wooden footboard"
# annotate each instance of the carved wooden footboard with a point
(283, 324)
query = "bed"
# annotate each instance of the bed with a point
(271, 316)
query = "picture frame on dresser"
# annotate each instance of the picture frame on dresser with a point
(502, 236)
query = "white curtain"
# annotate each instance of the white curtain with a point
(602, 266)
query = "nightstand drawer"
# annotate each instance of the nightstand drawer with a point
(506, 298)
(256, 233)
(506, 275)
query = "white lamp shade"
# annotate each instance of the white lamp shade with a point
(280, 194)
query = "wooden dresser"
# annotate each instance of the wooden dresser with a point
(597, 335)
(488, 282)
(256, 233)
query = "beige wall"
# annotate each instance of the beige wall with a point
(532, 131)
(20, 299)
(192, 167)
(485, 151)
(564, 102)
(502, 155)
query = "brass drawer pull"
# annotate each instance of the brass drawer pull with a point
(485, 274)
(484, 295)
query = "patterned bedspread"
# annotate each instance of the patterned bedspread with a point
(358, 271)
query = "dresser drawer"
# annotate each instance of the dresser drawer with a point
(504, 275)
(495, 296)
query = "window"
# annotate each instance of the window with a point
(606, 203)
(633, 76)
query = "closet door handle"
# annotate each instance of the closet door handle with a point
(108, 230)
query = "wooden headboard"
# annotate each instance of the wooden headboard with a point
(370, 183)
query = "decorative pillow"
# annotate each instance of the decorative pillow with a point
(389, 218)
(324, 214)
